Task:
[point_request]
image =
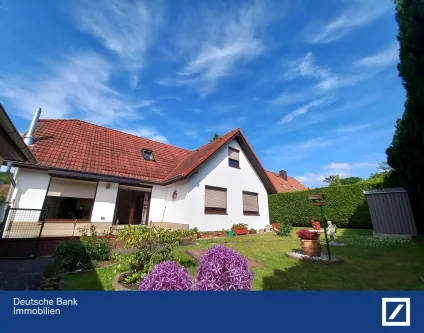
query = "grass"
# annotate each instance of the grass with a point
(369, 264)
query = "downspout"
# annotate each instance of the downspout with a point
(9, 174)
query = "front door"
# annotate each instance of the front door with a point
(132, 207)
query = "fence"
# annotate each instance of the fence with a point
(391, 212)
(24, 227)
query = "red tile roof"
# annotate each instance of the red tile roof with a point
(80, 146)
(198, 156)
(283, 185)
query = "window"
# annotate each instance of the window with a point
(294, 188)
(285, 186)
(215, 200)
(63, 208)
(250, 203)
(233, 158)
(147, 154)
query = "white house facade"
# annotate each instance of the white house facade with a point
(211, 188)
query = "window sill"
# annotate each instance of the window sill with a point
(234, 167)
(251, 214)
(215, 212)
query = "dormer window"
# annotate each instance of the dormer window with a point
(147, 154)
(233, 158)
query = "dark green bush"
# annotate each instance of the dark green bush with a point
(284, 229)
(71, 255)
(152, 245)
(98, 248)
(252, 231)
(346, 206)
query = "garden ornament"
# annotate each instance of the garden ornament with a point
(268, 228)
(331, 230)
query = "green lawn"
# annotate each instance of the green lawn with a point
(369, 264)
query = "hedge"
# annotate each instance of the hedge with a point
(346, 206)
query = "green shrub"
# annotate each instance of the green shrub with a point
(239, 225)
(98, 248)
(346, 206)
(71, 255)
(284, 229)
(152, 245)
(252, 231)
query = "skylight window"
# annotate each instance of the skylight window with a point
(285, 186)
(295, 188)
(147, 154)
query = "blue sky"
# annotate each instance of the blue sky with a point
(312, 84)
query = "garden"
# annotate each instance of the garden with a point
(159, 259)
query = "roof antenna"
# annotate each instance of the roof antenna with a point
(29, 137)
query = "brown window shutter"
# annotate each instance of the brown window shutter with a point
(250, 202)
(215, 197)
(233, 154)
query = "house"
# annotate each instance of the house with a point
(284, 183)
(103, 176)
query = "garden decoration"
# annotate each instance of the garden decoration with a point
(331, 230)
(309, 242)
(318, 200)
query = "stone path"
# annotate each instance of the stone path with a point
(198, 254)
(22, 274)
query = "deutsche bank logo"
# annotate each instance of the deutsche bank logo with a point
(396, 312)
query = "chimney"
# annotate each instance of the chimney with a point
(29, 137)
(283, 174)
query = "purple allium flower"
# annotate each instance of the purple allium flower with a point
(222, 268)
(167, 275)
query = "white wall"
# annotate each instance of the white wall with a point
(31, 188)
(104, 202)
(189, 207)
(216, 172)
(157, 203)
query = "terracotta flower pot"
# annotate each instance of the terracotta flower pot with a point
(311, 248)
(240, 231)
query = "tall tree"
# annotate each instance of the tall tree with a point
(215, 137)
(333, 180)
(406, 154)
(350, 180)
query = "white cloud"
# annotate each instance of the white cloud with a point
(218, 42)
(302, 110)
(342, 169)
(350, 166)
(355, 14)
(389, 56)
(146, 132)
(127, 28)
(76, 85)
(295, 151)
(158, 111)
(351, 128)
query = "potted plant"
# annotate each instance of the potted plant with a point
(240, 229)
(195, 233)
(315, 224)
(309, 243)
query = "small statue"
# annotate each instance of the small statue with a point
(331, 230)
